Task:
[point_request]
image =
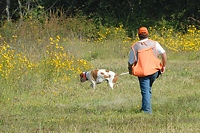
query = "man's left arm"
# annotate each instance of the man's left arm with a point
(130, 61)
(164, 61)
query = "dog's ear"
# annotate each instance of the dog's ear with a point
(81, 75)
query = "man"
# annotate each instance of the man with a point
(148, 76)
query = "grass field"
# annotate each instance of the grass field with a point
(32, 104)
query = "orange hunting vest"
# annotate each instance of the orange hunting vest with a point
(146, 58)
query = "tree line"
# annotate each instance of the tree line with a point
(130, 13)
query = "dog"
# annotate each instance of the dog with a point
(98, 76)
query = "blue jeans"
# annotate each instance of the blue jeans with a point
(145, 86)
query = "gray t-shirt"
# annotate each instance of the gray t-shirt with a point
(159, 49)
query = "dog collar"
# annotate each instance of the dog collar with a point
(85, 76)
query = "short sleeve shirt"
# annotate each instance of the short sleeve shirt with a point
(159, 49)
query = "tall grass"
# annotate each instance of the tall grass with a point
(41, 91)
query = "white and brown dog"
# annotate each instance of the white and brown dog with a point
(98, 76)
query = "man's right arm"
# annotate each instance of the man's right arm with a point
(162, 52)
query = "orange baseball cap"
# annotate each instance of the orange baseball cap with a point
(143, 30)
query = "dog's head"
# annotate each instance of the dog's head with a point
(83, 77)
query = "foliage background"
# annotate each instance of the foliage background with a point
(44, 46)
(132, 14)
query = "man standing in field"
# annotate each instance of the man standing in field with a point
(144, 63)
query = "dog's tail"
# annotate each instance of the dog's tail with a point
(124, 73)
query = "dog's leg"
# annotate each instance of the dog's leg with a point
(93, 85)
(111, 85)
(112, 80)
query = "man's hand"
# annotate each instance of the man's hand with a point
(163, 69)
(130, 71)
(130, 68)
